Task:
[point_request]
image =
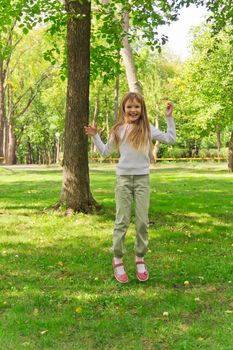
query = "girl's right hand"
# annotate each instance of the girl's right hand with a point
(169, 109)
(91, 130)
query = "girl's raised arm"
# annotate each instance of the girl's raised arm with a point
(104, 149)
(168, 137)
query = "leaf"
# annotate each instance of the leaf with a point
(229, 311)
(78, 310)
(25, 30)
(35, 312)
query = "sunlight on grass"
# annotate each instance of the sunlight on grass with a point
(57, 285)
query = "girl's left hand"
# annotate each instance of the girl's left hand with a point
(169, 109)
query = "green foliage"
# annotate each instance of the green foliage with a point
(172, 152)
(201, 89)
(203, 92)
(36, 127)
(213, 152)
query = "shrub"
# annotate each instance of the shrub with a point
(213, 153)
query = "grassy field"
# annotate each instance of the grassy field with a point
(57, 286)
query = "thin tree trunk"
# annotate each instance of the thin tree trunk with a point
(10, 156)
(116, 99)
(106, 114)
(76, 193)
(2, 110)
(230, 154)
(96, 113)
(127, 55)
(218, 135)
(29, 153)
(156, 146)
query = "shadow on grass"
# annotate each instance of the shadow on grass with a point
(58, 291)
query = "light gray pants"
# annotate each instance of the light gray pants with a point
(131, 188)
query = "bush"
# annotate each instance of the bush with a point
(213, 153)
(172, 152)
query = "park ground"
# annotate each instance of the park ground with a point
(57, 286)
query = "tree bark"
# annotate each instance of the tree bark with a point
(106, 113)
(2, 110)
(96, 113)
(230, 154)
(127, 55)
(156, 146)
(116, 99)
(29, 158)
(10, 152)
(218, 135)
(75, 192)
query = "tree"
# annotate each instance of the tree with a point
(203, 93)
(75, 189)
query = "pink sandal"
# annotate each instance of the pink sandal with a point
(142, 276)
(120, 278)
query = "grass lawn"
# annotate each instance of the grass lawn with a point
(57, 286)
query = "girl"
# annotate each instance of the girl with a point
(133, 136)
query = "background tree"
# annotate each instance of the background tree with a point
(203, 93)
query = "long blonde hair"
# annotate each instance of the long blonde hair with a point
(140, 134)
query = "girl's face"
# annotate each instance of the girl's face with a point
(133, 111)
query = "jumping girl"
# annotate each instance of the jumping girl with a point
(132, 136)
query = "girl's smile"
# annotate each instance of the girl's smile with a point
(133, 110)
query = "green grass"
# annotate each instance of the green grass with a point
(57, 287)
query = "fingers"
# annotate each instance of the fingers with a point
(169, 109)
(90, 130)
(87, 129)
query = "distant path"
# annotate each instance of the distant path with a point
(110, 166)
(32, 167)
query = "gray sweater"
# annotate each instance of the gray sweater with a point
(133, 161)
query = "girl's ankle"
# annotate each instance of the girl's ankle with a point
(140, 265)
(139, 258)
(120, 269)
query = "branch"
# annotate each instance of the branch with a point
(33, 95)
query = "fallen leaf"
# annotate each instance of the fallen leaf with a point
(35, 312)
(229, 311)
(78, 310)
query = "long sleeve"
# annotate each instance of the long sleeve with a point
(168, 137)
(104, 149)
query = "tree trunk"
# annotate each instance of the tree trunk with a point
(106, 114)
(218, 134)
(2, 110)
(29, 159)
(116, 98)
(127, 55)
(230, 155)
(76, 193)
(10, 154)
(96, 113)
(156, 146)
